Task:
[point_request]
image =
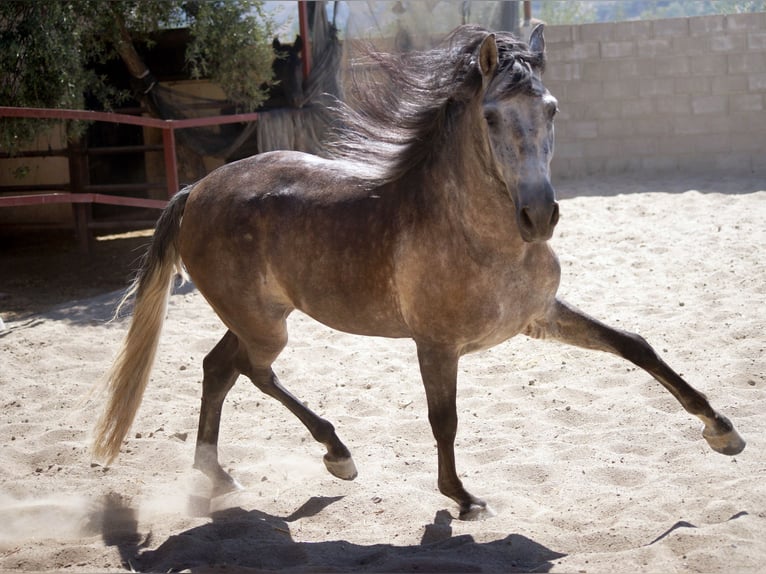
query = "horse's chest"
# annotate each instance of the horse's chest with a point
(480, 303)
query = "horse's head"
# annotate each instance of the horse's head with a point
(288, 71)
(518, 116)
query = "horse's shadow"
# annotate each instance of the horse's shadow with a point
(251, 540)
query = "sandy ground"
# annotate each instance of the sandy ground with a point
(588, 463)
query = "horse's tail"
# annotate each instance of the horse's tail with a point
(129, 375)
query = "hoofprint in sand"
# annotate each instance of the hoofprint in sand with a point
(588, 463)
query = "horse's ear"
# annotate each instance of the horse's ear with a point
(298, 44)
(276, 44)
(536, 40)
(488, 57)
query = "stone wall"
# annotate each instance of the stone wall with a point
(686, 94)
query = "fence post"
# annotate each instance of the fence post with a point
(78, 179)
(171, 163)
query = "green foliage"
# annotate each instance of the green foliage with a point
(50, 48)
(38, 69)
(564, 12)
(231, 44)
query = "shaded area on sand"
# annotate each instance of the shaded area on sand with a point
(250, 540)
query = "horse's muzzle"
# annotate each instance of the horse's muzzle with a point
(538, 212)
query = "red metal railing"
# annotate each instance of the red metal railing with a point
(168, 128)
(78, 194)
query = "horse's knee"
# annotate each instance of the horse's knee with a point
(638, 351)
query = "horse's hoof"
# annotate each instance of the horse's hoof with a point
(476, 512)
(729, 442)
(221, 487)
(343, 468)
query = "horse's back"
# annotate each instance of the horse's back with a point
(290, 230)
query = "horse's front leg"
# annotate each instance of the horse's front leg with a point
(438, 367)
(569, 325)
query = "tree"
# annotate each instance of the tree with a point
(50, 51)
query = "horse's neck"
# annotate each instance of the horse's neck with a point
(474, 199)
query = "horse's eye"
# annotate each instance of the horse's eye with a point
(492, 117)
(551, 110)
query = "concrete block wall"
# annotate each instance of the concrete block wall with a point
(684, 94)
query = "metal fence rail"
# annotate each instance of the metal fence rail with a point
(77, 192)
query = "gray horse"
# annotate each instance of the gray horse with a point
(430, 221)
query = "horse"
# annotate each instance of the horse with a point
(429, 219)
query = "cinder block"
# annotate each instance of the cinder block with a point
(676, 105)
(583, 91)
(708, 65)
(591, 70)
(560, 168)
(661, 164)
(601, 109)
(633, 29)
(746, 103)
(582, 130)
(740, 163)
(648, 47)
(707, 25)
(691, 45)
(671, 27)
(656, 87)
(747, 142)
(743, 122)
(727, 84)
(747, 21)
(747, 63)
(583, 51)
(617, 88)
(626, 68)
(562, 71)
(675, 145)
(709, 104)
(558, 33)
(756, 41)
(651, 126)
(598, 32)
(618, 49)
(616, 128)
(757, 82)
(602, 147)
(727, 43)
(693, 85)
(622, 164)
(594, 166)
(674, 66)
(568, 149)
(637, 107)
(695, 125)
(640, 145)
(713, 143)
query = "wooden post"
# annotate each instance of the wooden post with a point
(78, 179)
(305, 30)
(171, 163)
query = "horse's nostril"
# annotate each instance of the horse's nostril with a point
(555, 215)
(526, 219)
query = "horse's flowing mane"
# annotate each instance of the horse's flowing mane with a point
(403, 106)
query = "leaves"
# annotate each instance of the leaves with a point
(50, 50)
(231, 44)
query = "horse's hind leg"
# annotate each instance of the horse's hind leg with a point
(260, 354)
(570, 325)
(219, 377)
